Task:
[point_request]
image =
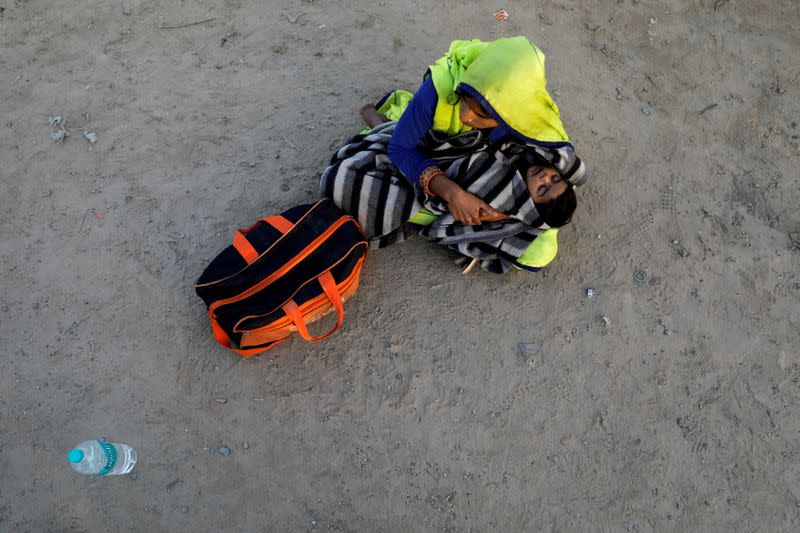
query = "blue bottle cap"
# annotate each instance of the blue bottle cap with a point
(75, 456)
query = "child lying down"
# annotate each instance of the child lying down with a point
(524, 189)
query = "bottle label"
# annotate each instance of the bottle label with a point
(111, 457)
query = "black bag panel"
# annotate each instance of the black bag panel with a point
(312, 289)
(318, 261)
(229, 274)
(229, 262)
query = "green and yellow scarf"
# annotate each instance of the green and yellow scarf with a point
(508, 75)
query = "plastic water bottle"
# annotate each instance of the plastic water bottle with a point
(102, 458)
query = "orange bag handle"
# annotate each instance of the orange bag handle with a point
(243, 246)
(280, 223)
(293, 312)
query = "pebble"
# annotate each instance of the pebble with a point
(680, 421)
(221, 400)
(251, 164)
(646, 110)
(225, 451)
(675, 242)
(245, 445)
(528, 350)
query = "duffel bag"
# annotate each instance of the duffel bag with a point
(282, 273)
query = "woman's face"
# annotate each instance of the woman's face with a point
(473, 115)
(544, 184)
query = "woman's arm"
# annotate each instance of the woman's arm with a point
(405, 146)
(406, 154)
(463, 205)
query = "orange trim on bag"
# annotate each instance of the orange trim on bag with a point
(308, 250)
(312, 310)
(358, 265)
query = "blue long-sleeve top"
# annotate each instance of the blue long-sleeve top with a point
(405, 147)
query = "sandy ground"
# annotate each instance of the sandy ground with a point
(668, 402)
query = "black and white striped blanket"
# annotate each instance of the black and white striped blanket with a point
(363, 181)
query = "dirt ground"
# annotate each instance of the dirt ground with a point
(667, 402)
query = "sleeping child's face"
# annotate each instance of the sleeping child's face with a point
(544, 184)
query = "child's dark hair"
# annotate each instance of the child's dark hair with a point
(559, 212)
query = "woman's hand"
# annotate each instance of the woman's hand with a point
(464, 206)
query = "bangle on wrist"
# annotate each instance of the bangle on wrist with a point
(427, 176)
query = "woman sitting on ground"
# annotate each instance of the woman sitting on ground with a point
(477, 160)
(498, 88)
